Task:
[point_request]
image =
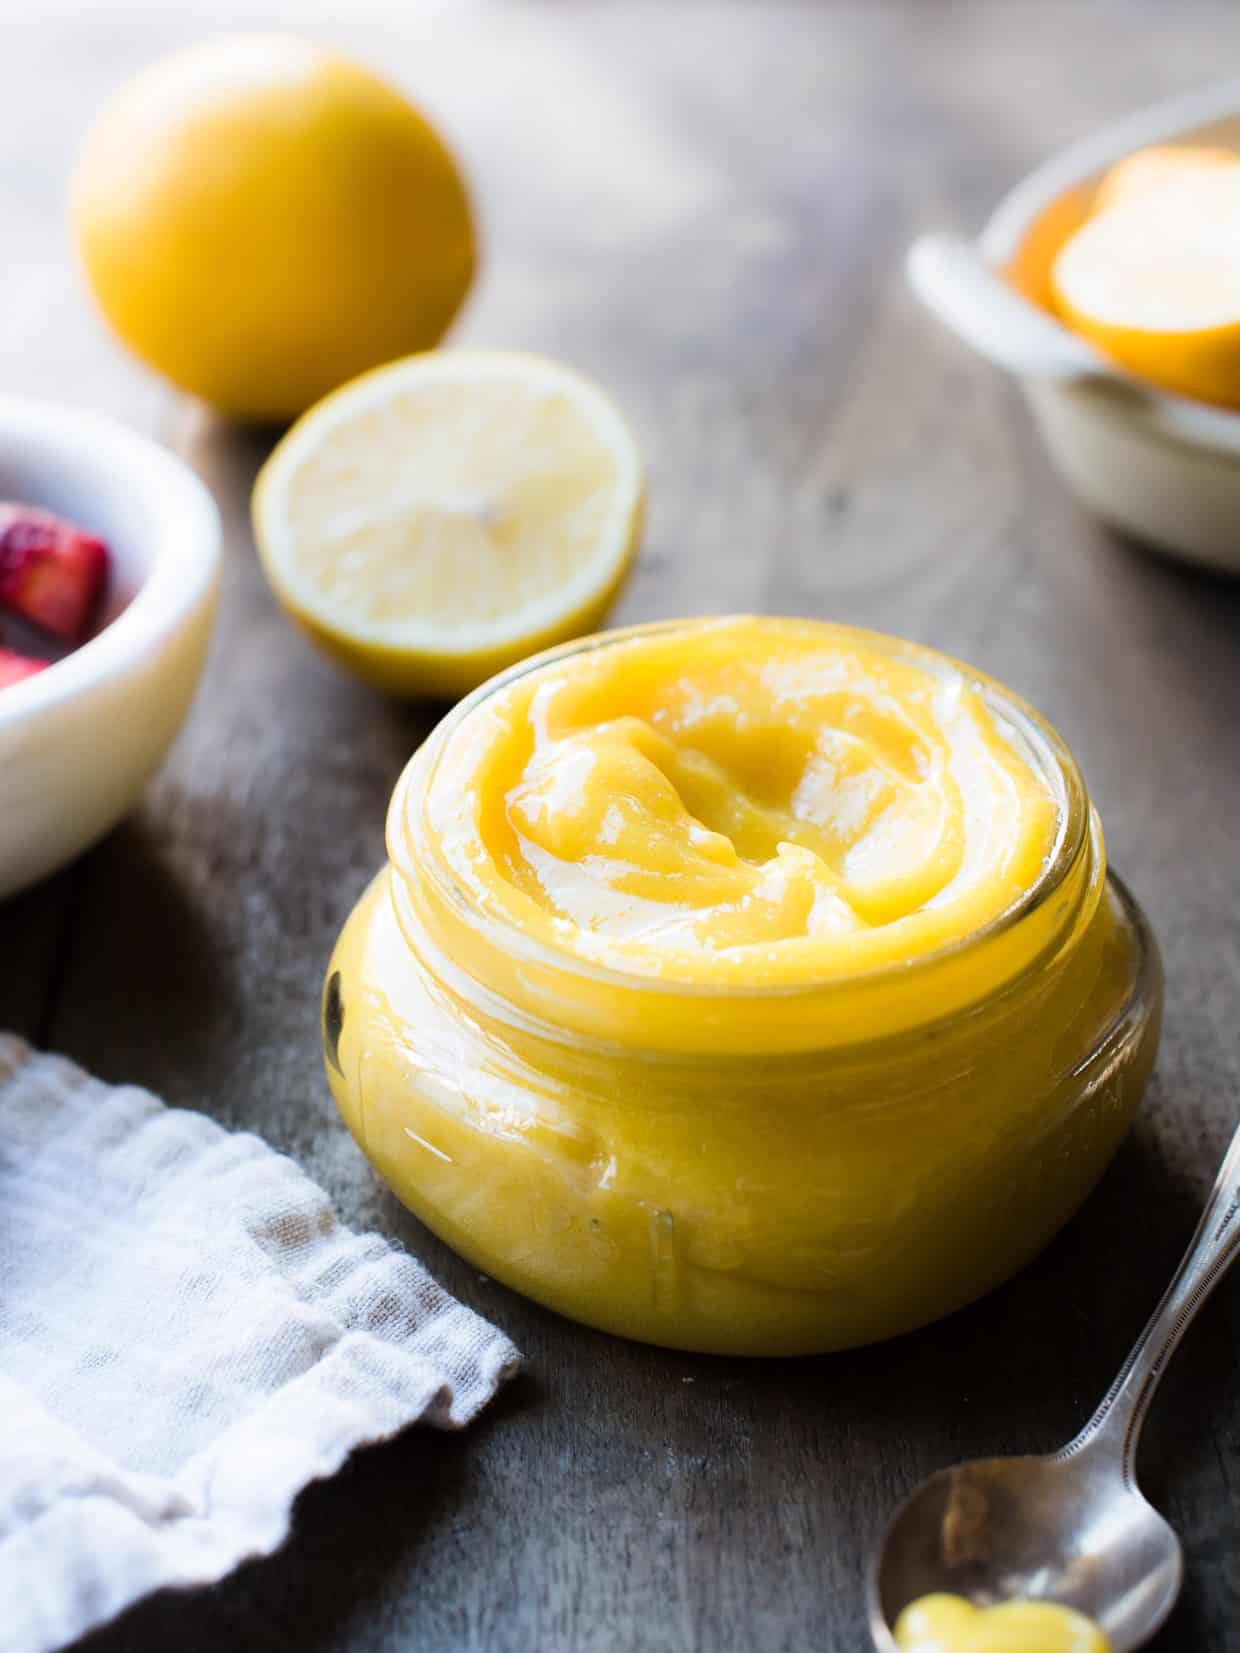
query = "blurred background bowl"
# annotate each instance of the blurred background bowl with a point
(79, 740)
(1159, 466)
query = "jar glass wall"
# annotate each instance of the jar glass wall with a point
(756, 1171)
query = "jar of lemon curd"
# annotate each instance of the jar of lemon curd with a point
(747, 985)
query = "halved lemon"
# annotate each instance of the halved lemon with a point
(1155, 282)
(444, 516)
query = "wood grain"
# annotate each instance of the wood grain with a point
(706, 205)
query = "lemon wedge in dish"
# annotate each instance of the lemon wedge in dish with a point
(448, 514)
(1147, 170)
(1154, 280)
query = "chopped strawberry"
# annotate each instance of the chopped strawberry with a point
(51, 571)
(14, 667)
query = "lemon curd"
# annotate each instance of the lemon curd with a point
(949, 1624)
(746, 985)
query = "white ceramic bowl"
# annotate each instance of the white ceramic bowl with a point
(1161, 467)
(79, 740)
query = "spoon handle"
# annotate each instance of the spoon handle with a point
(1116, 1425)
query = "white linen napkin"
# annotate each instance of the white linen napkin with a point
(187, 1338)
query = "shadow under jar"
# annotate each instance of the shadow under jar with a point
(761, 1162)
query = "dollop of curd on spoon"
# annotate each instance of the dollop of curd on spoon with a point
(950, 1624)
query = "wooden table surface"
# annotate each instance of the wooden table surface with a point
(706, 206)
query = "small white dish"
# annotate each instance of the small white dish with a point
(79, 740)
(1159, 466)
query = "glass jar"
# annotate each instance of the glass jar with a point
(770, 1171)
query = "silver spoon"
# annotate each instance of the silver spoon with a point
(1073, 1527)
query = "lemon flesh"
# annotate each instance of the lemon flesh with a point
(261, 220)
(1154, 280)
(1155, 168)
(447, 515)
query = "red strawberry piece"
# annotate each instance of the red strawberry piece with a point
(51, 571)
(14, 667)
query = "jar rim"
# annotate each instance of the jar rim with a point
(406, 825)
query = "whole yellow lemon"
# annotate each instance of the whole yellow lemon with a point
(261, 219)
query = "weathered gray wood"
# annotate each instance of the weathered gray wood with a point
(707, 206)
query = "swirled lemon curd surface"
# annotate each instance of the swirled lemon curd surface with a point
(746, 802)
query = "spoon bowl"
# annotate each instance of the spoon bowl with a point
(1069, 1528)
(1072, 1527)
